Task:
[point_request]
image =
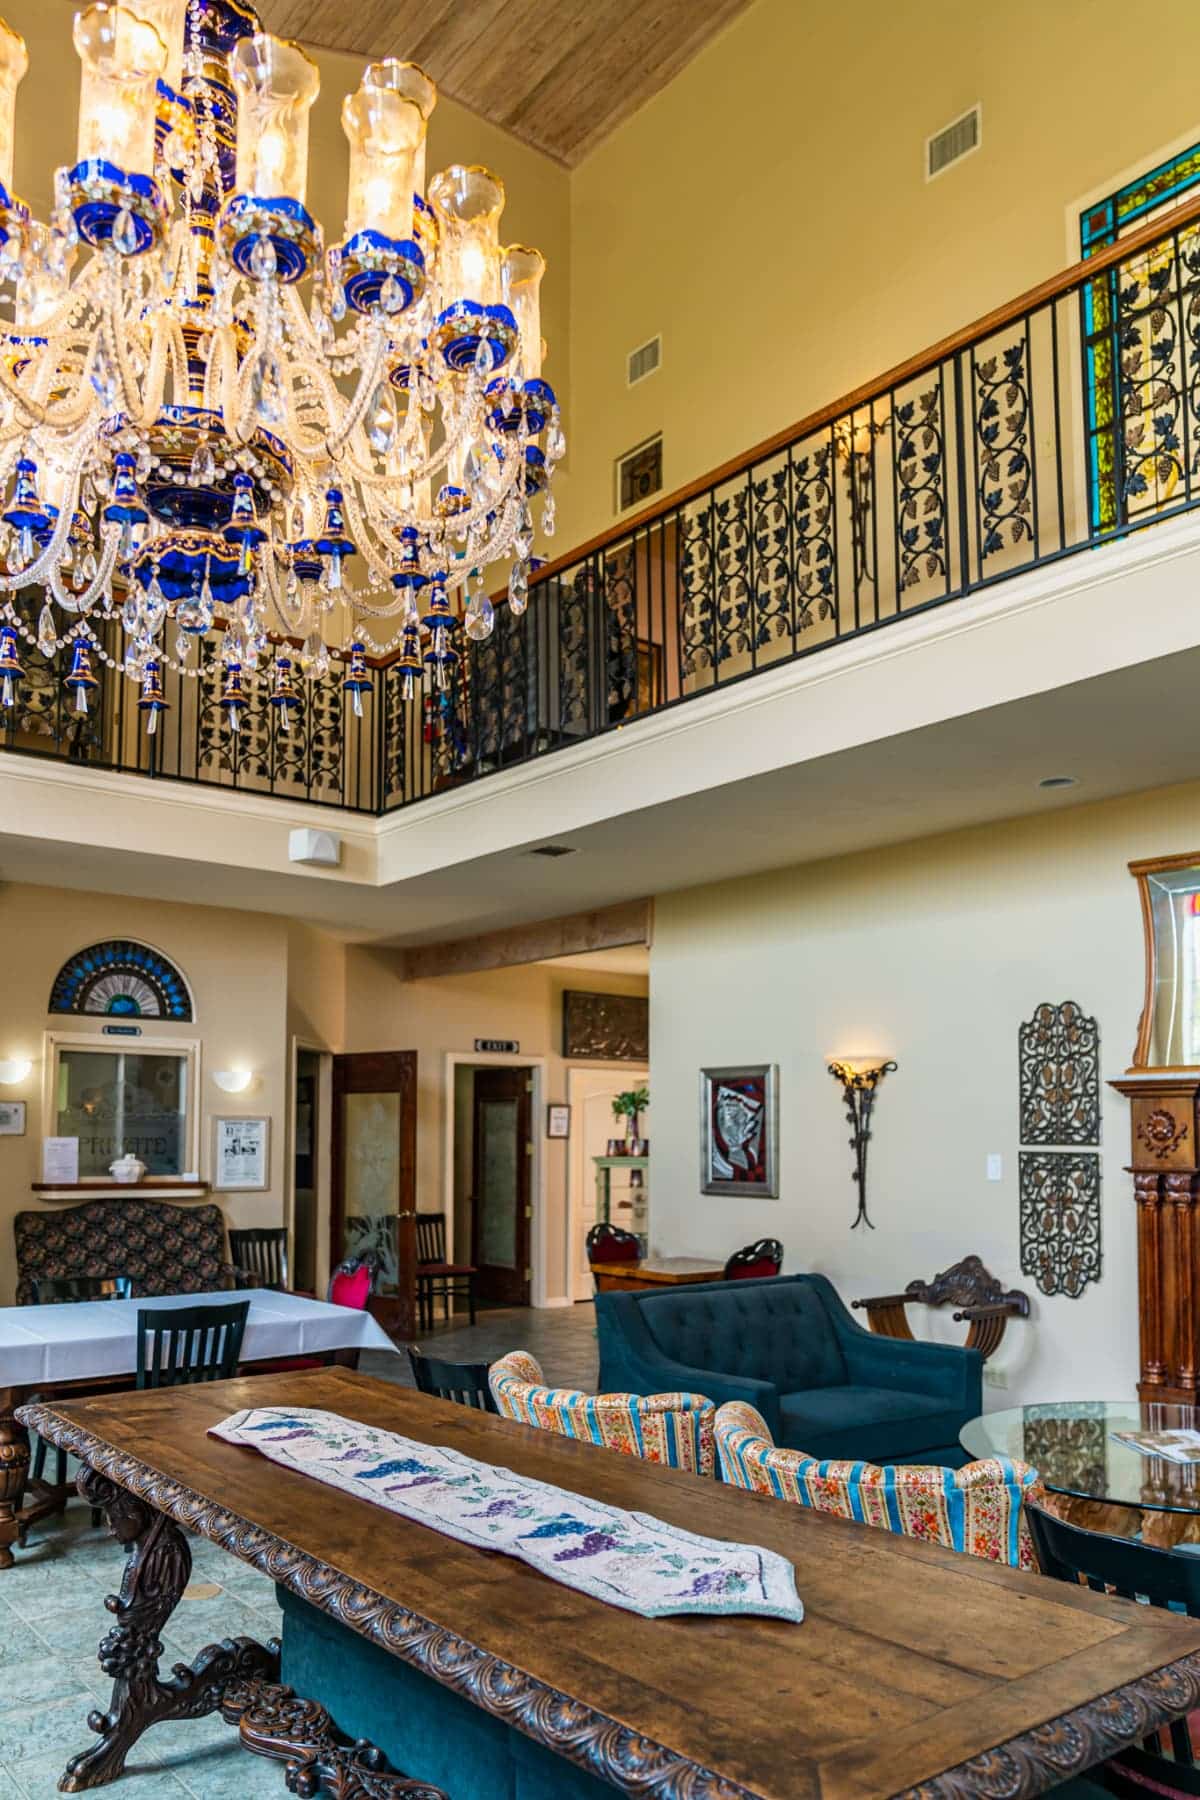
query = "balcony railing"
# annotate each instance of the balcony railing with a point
(1060, 422)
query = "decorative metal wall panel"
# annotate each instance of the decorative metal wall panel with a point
(611, 1027)
(1060, 1076)
(1060, 1219)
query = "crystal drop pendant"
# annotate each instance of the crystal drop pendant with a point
(263, 260)
(125, 233)
(131, 612)
(391, 295)
(323, 326)
(90, 567)
(338, 304)
(183, 644)
(381, 419)
(548, 516)
(483, 358)
(556, 443)
(479, 618)
(47, 637)
(523, 542)
(204, 465)
(144, 465)
(314, 657)
(154, 608)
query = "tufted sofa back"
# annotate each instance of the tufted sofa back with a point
(166, 1249)
(777, 1331)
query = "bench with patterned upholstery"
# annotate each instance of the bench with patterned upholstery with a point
(166, 1249)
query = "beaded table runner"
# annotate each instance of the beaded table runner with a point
(629, 1559)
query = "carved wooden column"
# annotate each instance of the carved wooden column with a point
(1166, 1186)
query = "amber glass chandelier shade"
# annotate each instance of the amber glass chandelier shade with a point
(169, 19)
(521, 271)
(468, 201)
(384, 129)
(276, 84)
(411, 82)
(121, 59)
(14, 60)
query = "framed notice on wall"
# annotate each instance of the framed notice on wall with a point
(242, 1153)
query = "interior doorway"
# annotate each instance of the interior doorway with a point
(591, 1092)
(308, 1129)
(374, 1175)
(494, 1173)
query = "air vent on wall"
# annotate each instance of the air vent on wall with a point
(639, 473)
(644, 360)
(553, 850)
(953, 143)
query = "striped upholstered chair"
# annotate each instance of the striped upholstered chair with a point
(979, 1509)
(675, 1429)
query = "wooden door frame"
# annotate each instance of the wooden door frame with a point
(621, 1072)
(322, 1157)
(486, 1059)
(398, 1319)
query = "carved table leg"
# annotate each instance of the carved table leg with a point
(14, 1469)
(157, 1567)
(275, 1723)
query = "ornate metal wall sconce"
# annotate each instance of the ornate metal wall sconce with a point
(854, 439)
(859, 1080)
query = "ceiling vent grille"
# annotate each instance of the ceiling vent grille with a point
(953, 143)
(644, 361)
(639, 474)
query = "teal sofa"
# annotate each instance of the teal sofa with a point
(791, 1348)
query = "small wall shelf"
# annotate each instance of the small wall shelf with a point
(165, 1187)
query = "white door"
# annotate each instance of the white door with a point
(591, 1092)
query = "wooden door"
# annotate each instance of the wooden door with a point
(374, 1194)
(500, 1186)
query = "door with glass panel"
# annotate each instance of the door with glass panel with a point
(374, 1175)
(501, 1210)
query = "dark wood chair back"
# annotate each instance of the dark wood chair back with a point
(611, 1243)
(431, 1238)
(260, 1256)
(754, 1261)
(465, 1383)
(69, 1290)
(180, 1344)
(983, 1305)
(1135, 1571)
(353, 1281)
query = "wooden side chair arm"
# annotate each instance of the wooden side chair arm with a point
(886, 1315)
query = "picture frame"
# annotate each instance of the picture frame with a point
(12, 1118)
(241, 1154)
(739, 1130)
(558, 1120)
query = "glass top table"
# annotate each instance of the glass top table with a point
(1071, 1444)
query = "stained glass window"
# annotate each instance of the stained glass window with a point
(123, 980)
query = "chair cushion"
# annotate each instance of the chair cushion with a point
(351, 1290)
(773, 1331)
(876, 1424)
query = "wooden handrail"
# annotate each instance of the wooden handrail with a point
(1051, 289)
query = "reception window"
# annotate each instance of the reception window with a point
(126, 1101)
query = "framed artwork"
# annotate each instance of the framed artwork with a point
(607, 1027)
(242, 1153)
(558, 1121)
(12, 1118)
(739, 1130)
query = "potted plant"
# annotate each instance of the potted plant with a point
(628, 1106)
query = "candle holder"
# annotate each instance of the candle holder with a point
(859, 1079)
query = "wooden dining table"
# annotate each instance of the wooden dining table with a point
(654, 1271)
(916, 1671)
(59, 1349)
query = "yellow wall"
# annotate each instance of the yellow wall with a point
(932, 953)
(237, 966)
(768, 213)
(384, 1012)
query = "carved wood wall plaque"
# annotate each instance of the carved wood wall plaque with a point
(606, 1027)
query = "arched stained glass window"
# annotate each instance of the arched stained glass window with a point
(123, 980)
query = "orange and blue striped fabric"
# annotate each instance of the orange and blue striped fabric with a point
(673, 1429)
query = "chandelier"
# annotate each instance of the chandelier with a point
(215, 426)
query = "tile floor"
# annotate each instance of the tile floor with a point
(52, 1610)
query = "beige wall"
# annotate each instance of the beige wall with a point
(767, 213)
(932, 953)
(434, 1018)
(237, 967)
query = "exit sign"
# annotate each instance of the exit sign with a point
(121, 1030)
(499, 1046)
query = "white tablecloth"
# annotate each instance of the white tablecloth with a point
(99, 1337)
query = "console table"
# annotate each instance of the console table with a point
(914, 1668)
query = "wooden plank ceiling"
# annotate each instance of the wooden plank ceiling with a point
(558, 74)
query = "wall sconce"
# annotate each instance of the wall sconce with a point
(860, 1077)
(14, 1069)
(233, 1081)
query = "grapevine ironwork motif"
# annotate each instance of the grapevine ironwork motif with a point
(1002, 409)
(920, 492)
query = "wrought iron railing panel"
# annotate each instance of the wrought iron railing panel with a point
(1067, 419)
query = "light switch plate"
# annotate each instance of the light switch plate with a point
(995, 1166)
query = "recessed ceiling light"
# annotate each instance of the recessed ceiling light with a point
(553, 850)
(1058, 781)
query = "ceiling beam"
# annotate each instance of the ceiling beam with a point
(609, 928)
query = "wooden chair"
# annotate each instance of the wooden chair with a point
(181, 1344)
(435, 1276)
(755, 1261)
(968, 1285)
(1166, 1761)
(71, 1290)
(260, 1257)
(464, 1383)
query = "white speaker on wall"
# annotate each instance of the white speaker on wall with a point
(322, 849)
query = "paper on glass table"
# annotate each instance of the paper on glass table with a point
(1180, 1446)
(628, 1559)
(99, 1337)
